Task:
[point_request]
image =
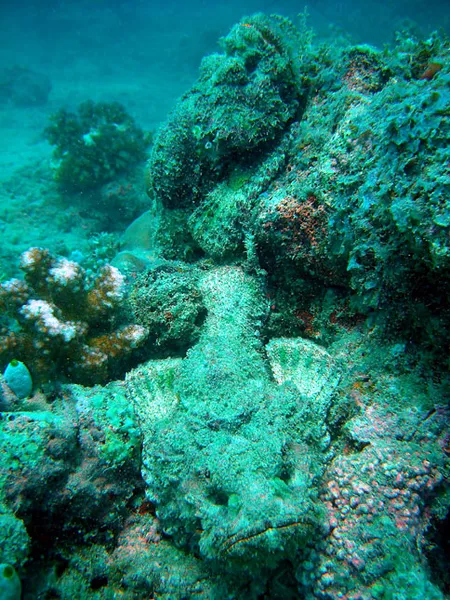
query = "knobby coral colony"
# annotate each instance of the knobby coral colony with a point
(61, 321)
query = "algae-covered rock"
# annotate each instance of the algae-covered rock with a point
(68, 471)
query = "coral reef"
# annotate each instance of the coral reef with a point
(349, 190)
(377, 172)
(291, 278)
(60, 321)
(94, 145)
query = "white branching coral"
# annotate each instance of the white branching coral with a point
(62, 322)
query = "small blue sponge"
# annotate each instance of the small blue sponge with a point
(18, 379)
(10, 586)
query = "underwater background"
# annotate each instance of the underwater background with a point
(224, 300)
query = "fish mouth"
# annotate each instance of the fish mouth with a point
(250, 535)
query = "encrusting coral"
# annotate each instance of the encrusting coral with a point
(60, 321)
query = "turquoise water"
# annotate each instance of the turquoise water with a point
(225, 300)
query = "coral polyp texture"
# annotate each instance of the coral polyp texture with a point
(60, 321)
(375, 501)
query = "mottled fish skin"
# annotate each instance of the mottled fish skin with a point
(234, 434)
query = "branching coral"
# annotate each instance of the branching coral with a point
(62, 321)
